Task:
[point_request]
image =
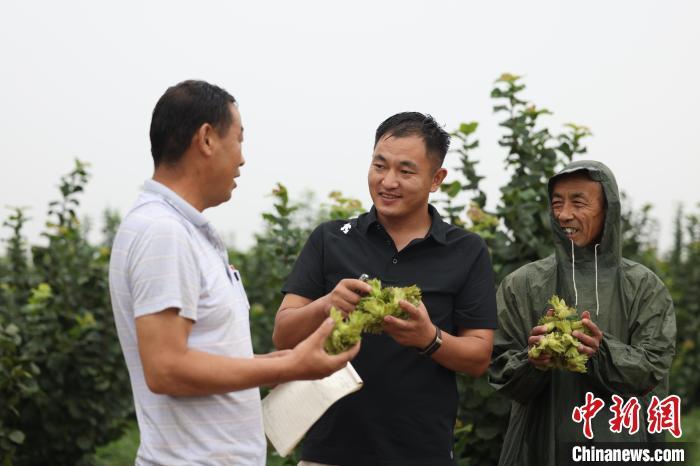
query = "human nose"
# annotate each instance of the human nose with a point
(390, 180)
(565, 212)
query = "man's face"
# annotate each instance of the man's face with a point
(402, 176)
(227, 159)
(579, 207)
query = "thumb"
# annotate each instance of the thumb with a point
(323, 330)
(586, 315)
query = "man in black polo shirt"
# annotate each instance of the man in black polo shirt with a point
(405, 413)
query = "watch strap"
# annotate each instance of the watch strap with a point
(435, 344)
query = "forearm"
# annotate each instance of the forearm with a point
(467, 354)
(514, 376)
(293, 324)
(629, 369)
(196, 373)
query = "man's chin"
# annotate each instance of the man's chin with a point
(389, 211)
(578, 243)
(223, 199)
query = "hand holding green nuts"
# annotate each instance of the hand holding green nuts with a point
(369, 314)
(559, 342)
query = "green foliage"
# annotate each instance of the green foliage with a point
(369, 314)
(481, 422)
(66, 389)
(467, 169)
(534, 155)
(121, 452)
(266, 265)
(341, 208)
(639, 231)
(683, 277)
(691, 430)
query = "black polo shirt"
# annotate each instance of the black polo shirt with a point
(405, 413)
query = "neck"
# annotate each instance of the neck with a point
(177, 180)
(405, 229)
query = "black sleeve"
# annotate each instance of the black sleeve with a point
(475, 304)
(306, 278)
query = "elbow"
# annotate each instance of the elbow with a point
(161, 379)
(479, 368)
(480, 365)
(276, 339)
(155, 383)
(279, 338)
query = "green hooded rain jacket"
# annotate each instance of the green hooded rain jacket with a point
(627, 301)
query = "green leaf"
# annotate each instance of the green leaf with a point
(102, 386)
(487, 432)
(84, 442)
(468, 128)
(17, 436)
(508, 78)
(451, 189)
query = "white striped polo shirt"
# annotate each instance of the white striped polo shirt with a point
(166, 254)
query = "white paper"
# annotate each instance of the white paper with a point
(290, 409)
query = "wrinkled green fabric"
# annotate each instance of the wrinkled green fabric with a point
(635, 313)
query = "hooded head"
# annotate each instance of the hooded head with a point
(585, 209)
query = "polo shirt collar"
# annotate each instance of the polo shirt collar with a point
(176, 202)
(438, 228)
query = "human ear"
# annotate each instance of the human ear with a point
(203, 138)
(438, 178)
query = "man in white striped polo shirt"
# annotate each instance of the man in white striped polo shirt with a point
(180, 308)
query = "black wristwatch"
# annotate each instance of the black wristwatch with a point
(434, 345)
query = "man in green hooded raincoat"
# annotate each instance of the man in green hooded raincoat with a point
(630, 318)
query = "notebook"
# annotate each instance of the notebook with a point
(290, 409)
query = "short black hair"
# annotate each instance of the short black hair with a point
(181, 111)
(437, 140)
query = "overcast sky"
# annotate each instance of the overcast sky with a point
(314, 79)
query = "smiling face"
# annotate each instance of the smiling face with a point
(578, 205)
(401, 177)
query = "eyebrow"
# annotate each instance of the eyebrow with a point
(409, 164)
(403, 163)
(576, 195)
